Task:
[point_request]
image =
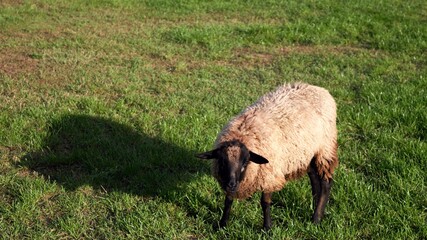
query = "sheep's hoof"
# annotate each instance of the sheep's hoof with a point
(315, 219)
(218, 226)
(267, 226)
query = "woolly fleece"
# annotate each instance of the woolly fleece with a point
(289, 126)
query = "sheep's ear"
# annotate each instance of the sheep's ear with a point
(207, 155)
(257, 158)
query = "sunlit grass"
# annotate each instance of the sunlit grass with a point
(104, 103)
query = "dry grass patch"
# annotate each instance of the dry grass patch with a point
(11, 3)
(14, 63)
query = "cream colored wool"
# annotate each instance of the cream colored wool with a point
(289, 127)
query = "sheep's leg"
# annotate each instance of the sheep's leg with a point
(321, 189)
(227, 208)
(315, 183)
(323, 199)
(266, 203)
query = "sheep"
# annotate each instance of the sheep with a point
(285, 134)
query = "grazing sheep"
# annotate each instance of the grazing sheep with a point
(285, 134)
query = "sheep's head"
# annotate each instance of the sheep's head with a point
(233, 158)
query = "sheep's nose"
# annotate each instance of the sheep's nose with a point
(232, 186)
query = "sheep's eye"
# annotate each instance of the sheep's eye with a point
(244, 165)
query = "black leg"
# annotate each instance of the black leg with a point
(321, 189)
(226, 214)
(323, 200)
(266, 203)
(315, 183)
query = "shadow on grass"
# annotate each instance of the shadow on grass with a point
(85, 150)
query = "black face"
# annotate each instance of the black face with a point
(232, 162)
(233, 158)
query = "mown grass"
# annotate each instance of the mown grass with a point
(104, 103)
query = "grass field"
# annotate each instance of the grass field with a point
(104, 103)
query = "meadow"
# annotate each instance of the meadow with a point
(104, 103)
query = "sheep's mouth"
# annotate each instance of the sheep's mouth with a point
(231, 189)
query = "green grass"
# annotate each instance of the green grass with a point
(104, 103)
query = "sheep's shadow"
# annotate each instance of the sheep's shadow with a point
(110, 156)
